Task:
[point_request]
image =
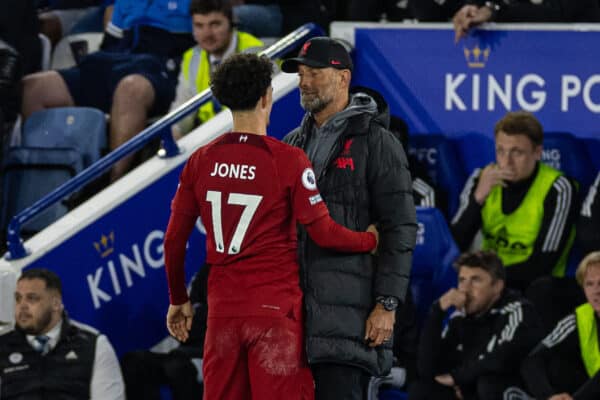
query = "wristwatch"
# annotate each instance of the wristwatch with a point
(389, 303)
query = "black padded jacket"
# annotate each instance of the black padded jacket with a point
(365, 180)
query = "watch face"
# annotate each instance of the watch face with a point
(393, 304)
(390, 303)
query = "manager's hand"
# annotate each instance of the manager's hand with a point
(179, 320)
(379, 326)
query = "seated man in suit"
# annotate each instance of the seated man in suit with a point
(48, 355)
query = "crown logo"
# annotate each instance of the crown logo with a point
(106, 245)
(476, 57)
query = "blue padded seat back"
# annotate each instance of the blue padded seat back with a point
(81, 128)
(592, 146)
(29, 174)
(475, 150)
(566, 153)
(439, 156)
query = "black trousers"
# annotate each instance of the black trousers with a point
(430, 390)
(340, 382)
(486, 388)
(144, 372)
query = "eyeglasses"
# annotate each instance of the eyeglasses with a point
(512, 153)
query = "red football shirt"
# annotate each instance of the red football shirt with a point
(249, 191)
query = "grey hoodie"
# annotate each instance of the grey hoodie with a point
(322, 139)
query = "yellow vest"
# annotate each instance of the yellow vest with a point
(513, 236)
(588, 338)
(196, 69)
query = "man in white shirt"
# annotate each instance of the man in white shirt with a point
(49, 356)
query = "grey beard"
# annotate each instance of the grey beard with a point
(314, 106)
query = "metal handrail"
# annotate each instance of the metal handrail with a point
(16, 249)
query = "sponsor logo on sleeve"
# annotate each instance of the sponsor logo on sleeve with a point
(315, 199)
(308, 179)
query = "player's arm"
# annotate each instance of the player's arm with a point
(178, 231)
(325, 232)
(311, 211)
(184, 212)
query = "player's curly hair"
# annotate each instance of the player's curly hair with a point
(241, 80)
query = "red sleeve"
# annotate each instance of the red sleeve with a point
(184, 212)
(178, 232)
(307, 202)
(184, 201)
(327, 233)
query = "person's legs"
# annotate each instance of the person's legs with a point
(143, 374)
(181, 376)
(44, 90)
(342, 382)
(276, 361)
(132, 101)
(225, 366)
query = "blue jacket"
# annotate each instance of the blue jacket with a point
(159, 27)
(170, 15)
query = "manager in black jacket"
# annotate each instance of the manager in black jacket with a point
(362, 174)
(477, 356)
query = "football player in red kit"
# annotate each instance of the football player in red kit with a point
(250, 190)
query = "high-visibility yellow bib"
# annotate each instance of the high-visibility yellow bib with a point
(588, 338)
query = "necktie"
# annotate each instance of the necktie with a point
(42, 345)
(216, 105)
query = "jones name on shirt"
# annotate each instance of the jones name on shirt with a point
(234, 171)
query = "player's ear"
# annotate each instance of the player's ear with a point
(266, 98)
(263, 101)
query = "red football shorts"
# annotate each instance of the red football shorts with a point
(256, 358)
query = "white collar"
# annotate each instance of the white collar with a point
(53, 334)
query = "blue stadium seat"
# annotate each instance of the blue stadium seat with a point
(165, 393)
(592, 145)
(56, 144)
(475, 150)
(432, 273)
(81, 128)
(565, 152)
(392, 394)
(439, 156)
